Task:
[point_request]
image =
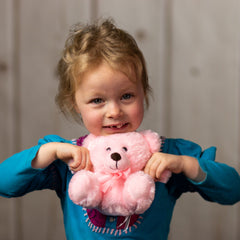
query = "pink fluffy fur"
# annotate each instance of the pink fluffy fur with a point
(117, 186)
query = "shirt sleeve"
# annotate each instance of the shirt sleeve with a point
(18, 177)
(222, 182)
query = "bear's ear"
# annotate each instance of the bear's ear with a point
(153, 140)
(88, 140)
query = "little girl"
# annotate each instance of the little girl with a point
(104, 85)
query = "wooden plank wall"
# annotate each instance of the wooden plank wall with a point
(192, 53)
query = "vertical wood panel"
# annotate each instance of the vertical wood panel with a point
(43, 28)
(6, 81)
(204, 105)
(4, 104)
(8, 221)
(37, 52)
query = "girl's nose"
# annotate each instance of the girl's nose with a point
(113, 110)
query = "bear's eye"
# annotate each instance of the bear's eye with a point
(108, 149)
(125, 149)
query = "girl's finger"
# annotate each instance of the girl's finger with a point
(149, 165)
(152, 168)
(160, 169)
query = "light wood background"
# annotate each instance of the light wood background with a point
(192, 50)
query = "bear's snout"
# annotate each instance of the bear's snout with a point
(116, 156)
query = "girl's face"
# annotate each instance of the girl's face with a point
(109, 102)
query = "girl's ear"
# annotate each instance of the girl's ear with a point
(76, 107)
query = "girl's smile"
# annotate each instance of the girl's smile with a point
(109, 102)
(115, 128)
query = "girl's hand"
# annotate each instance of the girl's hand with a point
(75, 156)
(159, 162)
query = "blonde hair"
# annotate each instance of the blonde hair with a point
(86, 48)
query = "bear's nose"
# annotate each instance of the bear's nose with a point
(116, 156)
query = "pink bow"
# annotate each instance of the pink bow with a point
(108, 179)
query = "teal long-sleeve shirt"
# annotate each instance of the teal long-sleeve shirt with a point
(221, 184)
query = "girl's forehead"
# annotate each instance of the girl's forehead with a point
(104, 69)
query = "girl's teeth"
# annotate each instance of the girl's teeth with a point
(118, 126)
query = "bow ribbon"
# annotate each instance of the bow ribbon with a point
(107, 179)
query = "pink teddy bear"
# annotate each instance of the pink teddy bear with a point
(117, 186)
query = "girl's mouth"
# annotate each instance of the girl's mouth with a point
(117, 126)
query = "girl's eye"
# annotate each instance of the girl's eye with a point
(108, 149)
(96, 100)
(127, 96)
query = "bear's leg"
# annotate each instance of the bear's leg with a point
(139, 192)
(84, 189)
